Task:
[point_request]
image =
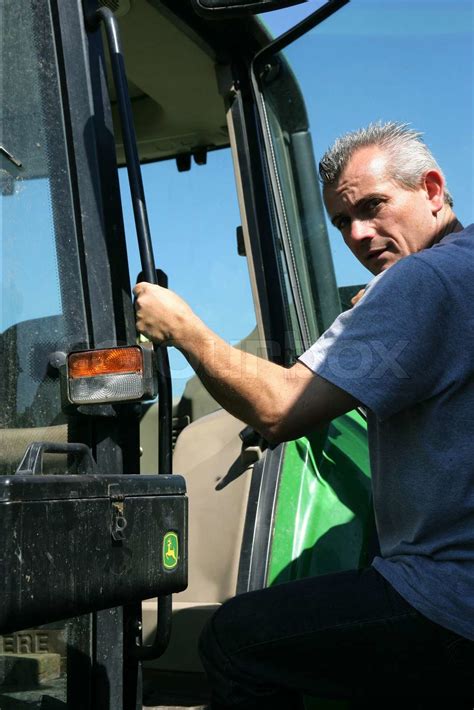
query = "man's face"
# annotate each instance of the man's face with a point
(381, 220)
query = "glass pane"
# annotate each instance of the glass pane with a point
(298, 203)
(193, 218)
(366, 63)
(41, 303)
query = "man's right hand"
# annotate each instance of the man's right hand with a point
(162, 316)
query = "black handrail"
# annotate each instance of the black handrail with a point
(142, 226)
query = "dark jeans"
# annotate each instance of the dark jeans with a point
(348, 635)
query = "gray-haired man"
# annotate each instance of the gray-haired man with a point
(404, 628)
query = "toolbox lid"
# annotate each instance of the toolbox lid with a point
(19, 488)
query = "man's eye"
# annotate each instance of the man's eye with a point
(372, 205)
(341, 223)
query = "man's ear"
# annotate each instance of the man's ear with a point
(433, 183)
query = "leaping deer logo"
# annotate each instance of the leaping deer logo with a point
(170, 550)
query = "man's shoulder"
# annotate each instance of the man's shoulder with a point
(452, 259)
(456, 247)
(448, 262)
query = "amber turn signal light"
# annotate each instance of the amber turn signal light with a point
(111, 375)
(105, 362)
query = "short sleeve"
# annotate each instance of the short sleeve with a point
(394, 348)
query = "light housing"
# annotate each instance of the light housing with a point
(108, 375)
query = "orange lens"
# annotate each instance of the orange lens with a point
(105, 362)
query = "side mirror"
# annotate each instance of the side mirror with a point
(239, 8)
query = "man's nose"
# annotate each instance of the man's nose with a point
(360, 229)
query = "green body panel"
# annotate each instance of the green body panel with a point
(323, 516)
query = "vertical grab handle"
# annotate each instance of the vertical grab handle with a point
(140, 213)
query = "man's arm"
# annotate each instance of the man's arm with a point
(280, 403)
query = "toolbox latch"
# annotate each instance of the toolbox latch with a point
(118, 521)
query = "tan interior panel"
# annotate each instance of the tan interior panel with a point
(208, 455)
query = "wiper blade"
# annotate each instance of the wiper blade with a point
(10, 156)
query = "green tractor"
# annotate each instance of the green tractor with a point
(108, 576)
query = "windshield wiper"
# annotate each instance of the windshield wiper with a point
(10, 156)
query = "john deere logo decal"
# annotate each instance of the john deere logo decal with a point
(170, 550)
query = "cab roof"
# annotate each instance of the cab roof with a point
(171, 57)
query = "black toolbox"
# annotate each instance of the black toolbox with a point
(72, 544)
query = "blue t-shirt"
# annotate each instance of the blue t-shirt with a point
(406, 351)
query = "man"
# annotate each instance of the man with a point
(402, 630)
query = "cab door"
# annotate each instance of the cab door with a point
(311, 511)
